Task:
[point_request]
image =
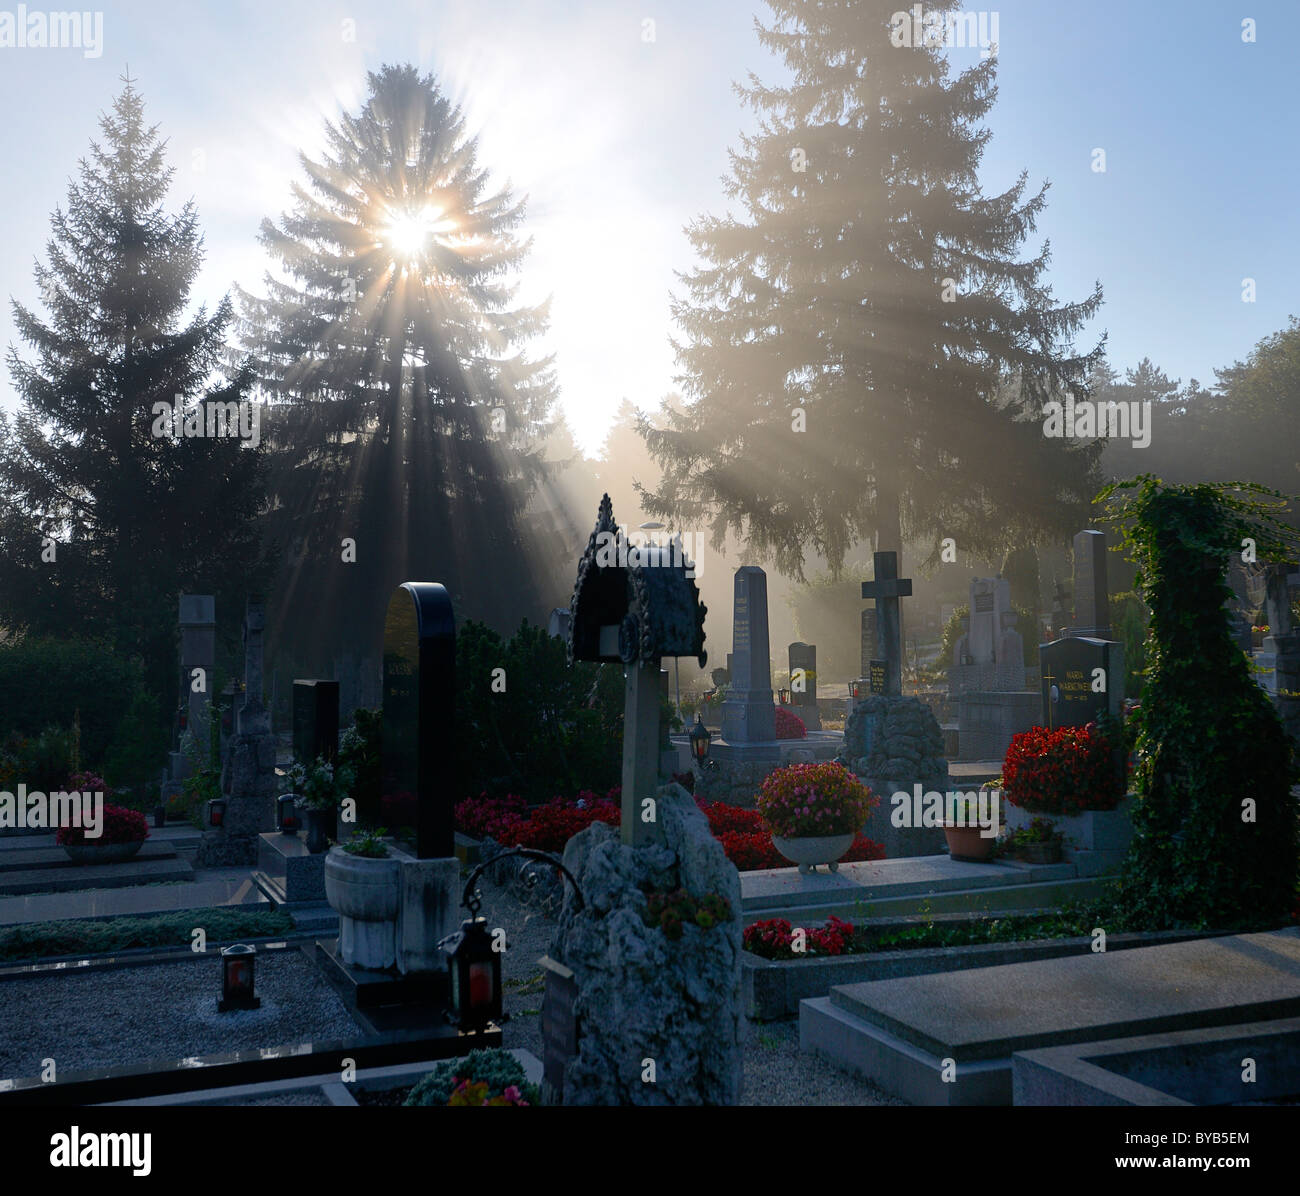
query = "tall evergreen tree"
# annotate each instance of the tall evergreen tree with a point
(867, 354)
(104, 522)
(407, 414)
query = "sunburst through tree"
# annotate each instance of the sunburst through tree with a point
(407, 410)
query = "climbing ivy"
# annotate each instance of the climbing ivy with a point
(1215, 837)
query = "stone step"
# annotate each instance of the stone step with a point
(131, 900)
(95, 876)
(906, 1034)
(55, 857)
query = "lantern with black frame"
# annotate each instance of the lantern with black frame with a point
(237, 967)
(217, 812)
(473, 960)
(286, 813)
(700, 738)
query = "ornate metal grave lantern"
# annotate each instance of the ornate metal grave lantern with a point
(237, 966)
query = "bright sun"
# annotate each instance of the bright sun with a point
(408, 233)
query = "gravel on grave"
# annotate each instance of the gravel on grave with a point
(775, 1071)
(162, 1011)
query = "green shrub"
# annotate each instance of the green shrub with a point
(37, 940)
(360, 749)
(1208, 737)
(555, 728)
(42, 762)
(496, 1068)
(47, 682)
(139, 746)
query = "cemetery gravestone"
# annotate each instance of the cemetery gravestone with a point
(315, 720)
(1091, 595)
(749, 714)
(803, 683)
(198, 625)
(1082, 678)
(887, 589)
(418, 718)
(248, 774)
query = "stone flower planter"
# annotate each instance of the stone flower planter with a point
(365, 895)
(810, 850)
(102, 853)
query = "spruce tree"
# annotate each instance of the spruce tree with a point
(104, 521)
(408, 416)
(866, 355)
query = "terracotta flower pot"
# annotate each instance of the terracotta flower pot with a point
(966, 843)
(810, 850)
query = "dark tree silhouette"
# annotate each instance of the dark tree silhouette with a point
(103, 521)
(865, 280)
(406, 413)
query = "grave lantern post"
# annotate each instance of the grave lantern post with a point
(635, 607)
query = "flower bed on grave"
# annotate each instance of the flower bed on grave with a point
(1067, 771)
(510, 822)
(789, 726)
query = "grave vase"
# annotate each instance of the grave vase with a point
(810, 850)
(365, 894)
(321, 825)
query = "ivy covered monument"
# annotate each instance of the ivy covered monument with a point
(1215, 823)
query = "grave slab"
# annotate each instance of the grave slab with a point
(95, 876)
(899, 1032)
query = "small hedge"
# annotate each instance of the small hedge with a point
(41, 940)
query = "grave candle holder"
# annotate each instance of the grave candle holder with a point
(237, 973)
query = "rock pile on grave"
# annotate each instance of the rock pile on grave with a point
(660, 1012)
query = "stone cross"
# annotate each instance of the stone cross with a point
(887, 589)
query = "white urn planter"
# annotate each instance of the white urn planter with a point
(365, 895)
(810, 850)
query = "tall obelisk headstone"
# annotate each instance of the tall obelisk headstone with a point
(749, 714)
(198, 624)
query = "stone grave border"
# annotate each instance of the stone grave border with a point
(771, 989)
(257, 1065)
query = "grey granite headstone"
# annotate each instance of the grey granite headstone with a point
(749, 714)
(1091, 596)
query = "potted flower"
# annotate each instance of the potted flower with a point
(122, 834)
(321, 790)
(1038, 843)
(814, 811)
(966, 838)
(362, 886)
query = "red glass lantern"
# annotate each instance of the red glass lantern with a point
(699, 738)
(237, 967)
(475, 976)
(216, 812)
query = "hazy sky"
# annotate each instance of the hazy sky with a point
(619, 141)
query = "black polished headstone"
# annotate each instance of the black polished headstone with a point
(315, 720)
(1068, 683)
(419, 718)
